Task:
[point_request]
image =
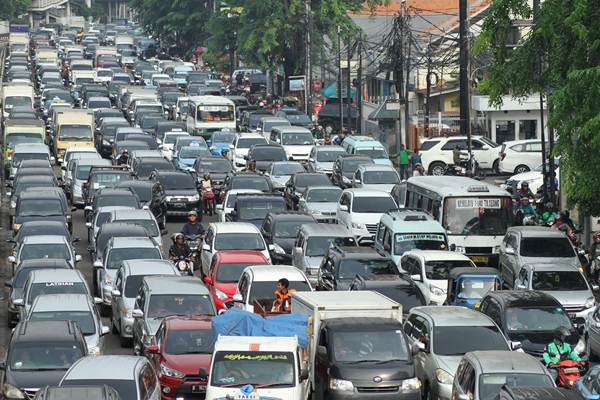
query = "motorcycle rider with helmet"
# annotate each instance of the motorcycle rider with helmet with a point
(559, 350)
(179, 249)
(193, 227)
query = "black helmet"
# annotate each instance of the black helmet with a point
(561, 333)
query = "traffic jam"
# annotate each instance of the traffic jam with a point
(175, 234)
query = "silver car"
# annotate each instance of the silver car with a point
(79, 174)
(313, 242)
(133, 377)
(321, 202)
(143, 218)
(481, 374)
(126, 288)
(444, 335)
(533, 245)
(322, 158)
(281, 171)
(75, 307)
(44, 246)
(376, 176)
(162, 296)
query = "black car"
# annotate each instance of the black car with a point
(39, 354)
(247, 180)
(142, 137)
(344, 168)
(181, 191)
(106, 134)
(152, 196)
(142, 167)
(42, 227)
(254, 207)
(528, 318)
(341, 265)
(401, 290)
(113, 197)
(281, 229)
(41, 205)
(148, 122)
(104, 176)
(265, 155)
(298, 183)
(109, 230)
(102, 392)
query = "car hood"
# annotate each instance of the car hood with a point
(324, 165)
(574, 261)
(449, 363)
(327, 208)
(189, 364)
(286, 244)
(280, 180)
(34, 379)
(92, 340)
(153, 324)
(570, 297)
(368, 372)
(181, 193)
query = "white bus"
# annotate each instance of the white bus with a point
(475, 214)
(207, 114)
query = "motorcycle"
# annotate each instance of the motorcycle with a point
(185, 266)
(569, 372)
(208, 201)
(193, 242)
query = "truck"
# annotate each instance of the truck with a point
(16, 94)
(356, 346)
(72, 128)
(256, 367)
(20, 131)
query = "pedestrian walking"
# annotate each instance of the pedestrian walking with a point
(415, 159)
(403, 162)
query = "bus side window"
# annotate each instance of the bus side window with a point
(436, 209)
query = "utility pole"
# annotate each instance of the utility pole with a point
(339, 80)
(359, 94)
(536, 10)
(349, 87)
(465, 119)
(428, 95)
(406, 92)
(308, 72)
(399, 71)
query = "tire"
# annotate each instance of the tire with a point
(9, 321)
(496, 167)
(437, 168)
(521, 169)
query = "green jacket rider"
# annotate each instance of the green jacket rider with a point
(559, 347)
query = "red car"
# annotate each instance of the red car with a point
(225, 271)
(184, 345)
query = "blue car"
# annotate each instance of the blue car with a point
(187, 156)
(589, 384)
(220, 141)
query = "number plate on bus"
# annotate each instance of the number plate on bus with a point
(480, 259)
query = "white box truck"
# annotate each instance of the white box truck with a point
(356, 346)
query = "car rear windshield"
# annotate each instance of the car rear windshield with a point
(259, 209)
(317, 246)
(251, 182)
(558, 280)
(373, 204)
(231, 272)
(328, 155)
(190, 341)
(125, 387)
(55, 288)
(458, 340)
(289, 229)
(381, 177)
(348, 269)
(546, 247)
(163, 305)
(124, 201)
(44, 356)
(239, 241)
(148, 224)
(117, 255)
(324, 195)
(352, 164)
(269, 154)
(214, 165)
(245, 143)
(83, 318)
(306, 180)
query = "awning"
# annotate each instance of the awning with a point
(331, 91)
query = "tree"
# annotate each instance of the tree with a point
(567, 36)
(11, 9)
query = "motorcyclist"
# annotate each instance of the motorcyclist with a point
(225, 153)
(251, 166)
(193, 227)
(123, 158)
(558, 350)
(549, 215)
(525, 191)
(524, 209)
(179, 249)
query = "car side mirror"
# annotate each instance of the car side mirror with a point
(97, 264)
(516, 345)
(88, 208)
(357, 181)
(271, 247)
(509, 250)
(8, 283)
(88, 224)
(137, 313)
(463, 396)
(11, 259)
(97, 300)
(78, 257)
(521, 286)
(595, 288)
(237, 298)
(116, 293)
(19, 302)
(152, 349)
(2, 365)
(208, 280)
(343, 207)
(416, 277)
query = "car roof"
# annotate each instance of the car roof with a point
(367, 193)
(228, 256)
(56, 275)
(175, 284)
(184, 322)
(132, 214)
(498, 362)
(524, 298)
(536, 231)
(134, 242)
(148, 267)
(457, 186)
(234, 227)
(55, 302)
(454, 316)
(290, 215)
(92, 161)
(358, 252)
(327, 230)
(104, 367)
(44, 239)
(272, 273)
(412, 222)
(45, 331)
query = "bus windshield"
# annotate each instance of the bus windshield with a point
(215, 113)
(486, 216)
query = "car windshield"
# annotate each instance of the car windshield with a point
(546, 247)
(22, 137)
(329, 155)
(297, 139)
(231, 272)
(477, 215)
(245, 143)
(116, 256)
(190, 341)
(373, 153)
(108, 179)
(163, 305)
(349, 268)
(99, 104)
(317, 246)
(302, 119)
(373, 204)
(306, 180)
(148, 224)
(177, 182)
(76, 132)
(132, 286)
(352, 165)
(265, 290)
(16, 101)
(324, 195)
(45, 250)
(43, 356)
(440, 269)
(101, 218)
(125, 387)
(18, 157)
(39, 208)
(286, 168)
(241, 368)
(170, 139)
(536, 319)
(558, 281)
(490, 384)
(223, 137)
(125, 200)
(256, 182)
(289, 229)
(143, 192)
(239, 241)
(408, 296)
(350, 347)
(269, 154)
(85, 319)
(155, 108)
(216, 165)
(193, 152)
(380, 177)
(248, 210)
(419, 241)
(458, 340)
(55, 288)
(83, 172)
(104, 73)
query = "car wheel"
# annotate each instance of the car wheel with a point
(521, 169)
(496, 167)
(437, 168)
(9, 320)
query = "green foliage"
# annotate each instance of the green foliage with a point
(11, 9)
(567, 35)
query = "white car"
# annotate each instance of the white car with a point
(228, 204)
(436, 153)
(231, 236)
(376, 177)
(520, 156)
(360, 210)
(103, 75)
(296, 141)
(258, 281)
(168, 143)
(241, 145)
(534, 178)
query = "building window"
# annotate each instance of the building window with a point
(528, 129)
(505, 131)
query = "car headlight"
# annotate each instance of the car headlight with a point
(94, 351)
(436, 291)
(173, 373)
(443, 376)
(12, 392)
(589, 302)
(357, 226)
(220, 295)
(411, 384)
(195, 197)
(278, 249)
(340, 384)
(460, 249)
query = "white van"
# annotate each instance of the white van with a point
(297, 141)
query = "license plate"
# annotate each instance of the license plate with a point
(178, 205)
(480, 259)
(198, 388)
